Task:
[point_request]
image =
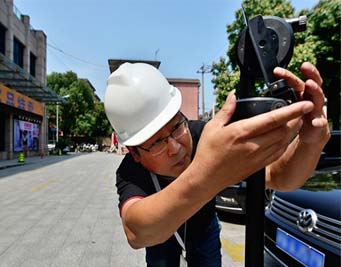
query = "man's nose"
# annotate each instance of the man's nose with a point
(173, 146)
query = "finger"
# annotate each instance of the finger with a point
(314, 93)
(268, 154)
(295, 126)
(226, 112)
(275, 153)
(292, 80)
(265, 122)
(319, 122)
(311, 72)
(281, 135)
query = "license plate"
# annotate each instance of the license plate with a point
(299, 250)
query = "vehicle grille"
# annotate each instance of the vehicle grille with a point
(327, 229)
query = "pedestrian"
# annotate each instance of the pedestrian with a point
(168, 181)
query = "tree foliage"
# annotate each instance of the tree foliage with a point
(319, 44)
(325, 19)
(79, 116)
(101, 125)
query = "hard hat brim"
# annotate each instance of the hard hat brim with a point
(156, 124)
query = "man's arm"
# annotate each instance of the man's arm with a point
(226, 154)
(296, 165)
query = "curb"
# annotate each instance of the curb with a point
(12, 165)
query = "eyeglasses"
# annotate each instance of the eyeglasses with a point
(161, 145)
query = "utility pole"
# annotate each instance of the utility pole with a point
(203, 69)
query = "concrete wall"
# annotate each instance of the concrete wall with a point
(189, 89)
(33, 40)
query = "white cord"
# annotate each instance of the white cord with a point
(177, 236)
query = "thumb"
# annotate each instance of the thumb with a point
(226, 112)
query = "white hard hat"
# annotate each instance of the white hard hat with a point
(139, 101)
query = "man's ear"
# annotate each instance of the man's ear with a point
(134, 153)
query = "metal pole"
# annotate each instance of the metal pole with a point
(203, 91)
(254, 233)
(57, 129)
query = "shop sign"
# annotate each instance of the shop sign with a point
(14, 99)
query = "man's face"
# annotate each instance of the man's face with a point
(175, 156)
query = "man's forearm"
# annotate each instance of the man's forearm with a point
(154, 219)
(296, 165)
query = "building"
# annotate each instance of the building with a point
(23, 90)
(93, 90)
(189, 88)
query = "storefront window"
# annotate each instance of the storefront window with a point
(26, 135)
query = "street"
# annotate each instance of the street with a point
(62, 211)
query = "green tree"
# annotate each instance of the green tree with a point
(101, 125)
(80, 115)
(75, 114)
(325, 20)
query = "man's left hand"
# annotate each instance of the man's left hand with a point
(315, 124)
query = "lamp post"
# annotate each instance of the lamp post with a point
(57, 129)
(57, 117)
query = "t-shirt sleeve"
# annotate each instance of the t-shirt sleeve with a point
(127, 190)
(132, 180)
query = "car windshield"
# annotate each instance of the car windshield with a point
(324, 180)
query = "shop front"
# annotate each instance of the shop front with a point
(22, 127)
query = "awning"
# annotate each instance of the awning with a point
(15, 77)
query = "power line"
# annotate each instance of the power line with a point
(77, 58)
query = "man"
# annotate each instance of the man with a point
(168, 182)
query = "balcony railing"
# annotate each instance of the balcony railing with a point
(18, 14)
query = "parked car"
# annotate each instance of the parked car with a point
(51, 147)
(331, 152)
(303, 227)
(232, 199)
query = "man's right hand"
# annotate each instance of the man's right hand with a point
(228, 153)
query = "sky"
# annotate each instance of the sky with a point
(183, 34)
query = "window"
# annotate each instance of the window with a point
(18, 52)
(2, 39)
(33, 59)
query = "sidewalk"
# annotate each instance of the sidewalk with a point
(37, 159)
(14, 162)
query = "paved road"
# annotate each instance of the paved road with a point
(62, 211)
(233, 242)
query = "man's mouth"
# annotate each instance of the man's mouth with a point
(181, 162)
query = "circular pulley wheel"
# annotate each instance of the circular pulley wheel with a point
(283, 38)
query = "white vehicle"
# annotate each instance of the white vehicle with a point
(51, 147)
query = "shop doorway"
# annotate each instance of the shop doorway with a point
(3, 118)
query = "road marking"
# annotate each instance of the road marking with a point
(236, 252)
(42, 186)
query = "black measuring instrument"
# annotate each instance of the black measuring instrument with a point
(265, 43)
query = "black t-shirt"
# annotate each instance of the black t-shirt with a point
(133, 180)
